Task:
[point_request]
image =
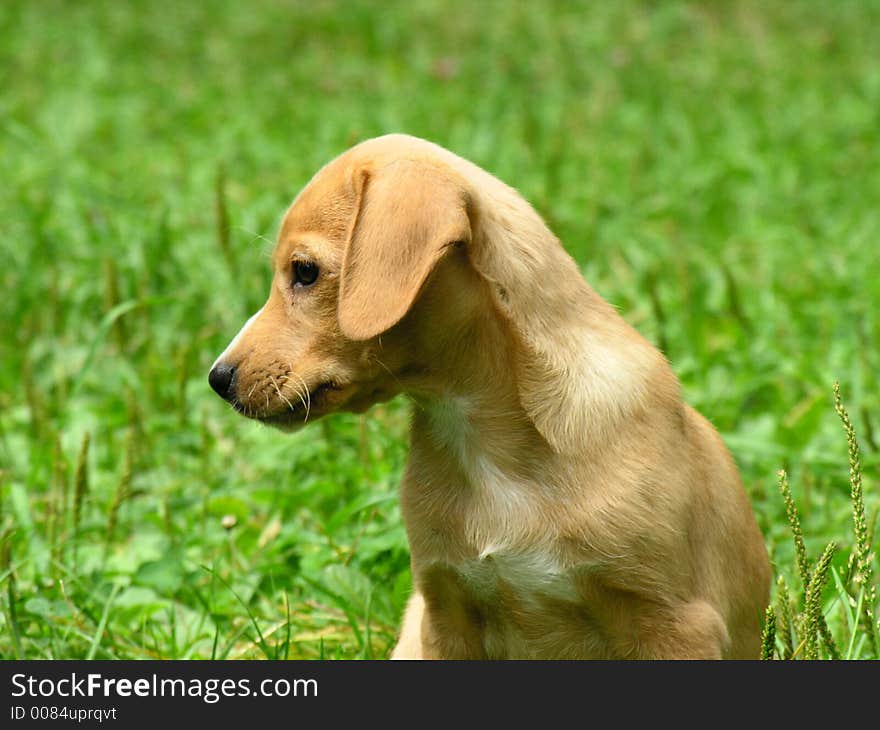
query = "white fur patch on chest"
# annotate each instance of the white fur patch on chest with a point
(451, 426)
(498, 507)
(525, 575)
(499, 513)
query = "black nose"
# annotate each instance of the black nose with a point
(220, 379)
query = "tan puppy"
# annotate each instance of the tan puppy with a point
(560, 499)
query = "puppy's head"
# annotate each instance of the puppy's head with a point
(353, 255)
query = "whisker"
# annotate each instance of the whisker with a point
(280, 394)
(256, 236)
(299, 394)
(308, 403)
(388, 370)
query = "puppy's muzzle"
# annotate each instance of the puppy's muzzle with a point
(222, 380)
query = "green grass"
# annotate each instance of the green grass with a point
(715, 168)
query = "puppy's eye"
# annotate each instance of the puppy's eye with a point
(305, 273)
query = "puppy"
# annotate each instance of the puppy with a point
(560, 499)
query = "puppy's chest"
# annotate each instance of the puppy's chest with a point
(506, 577)
(501, 605)
(488, 554)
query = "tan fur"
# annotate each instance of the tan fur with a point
(560, 499)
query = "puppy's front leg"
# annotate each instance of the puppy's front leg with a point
(439, 621)
(409, 645)
(694, 630)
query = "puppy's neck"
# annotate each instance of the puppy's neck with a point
(469, 407)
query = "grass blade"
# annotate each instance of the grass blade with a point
(102, 624)
(768, 634)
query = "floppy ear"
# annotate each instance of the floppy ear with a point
(579, 368)
(408, 213)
